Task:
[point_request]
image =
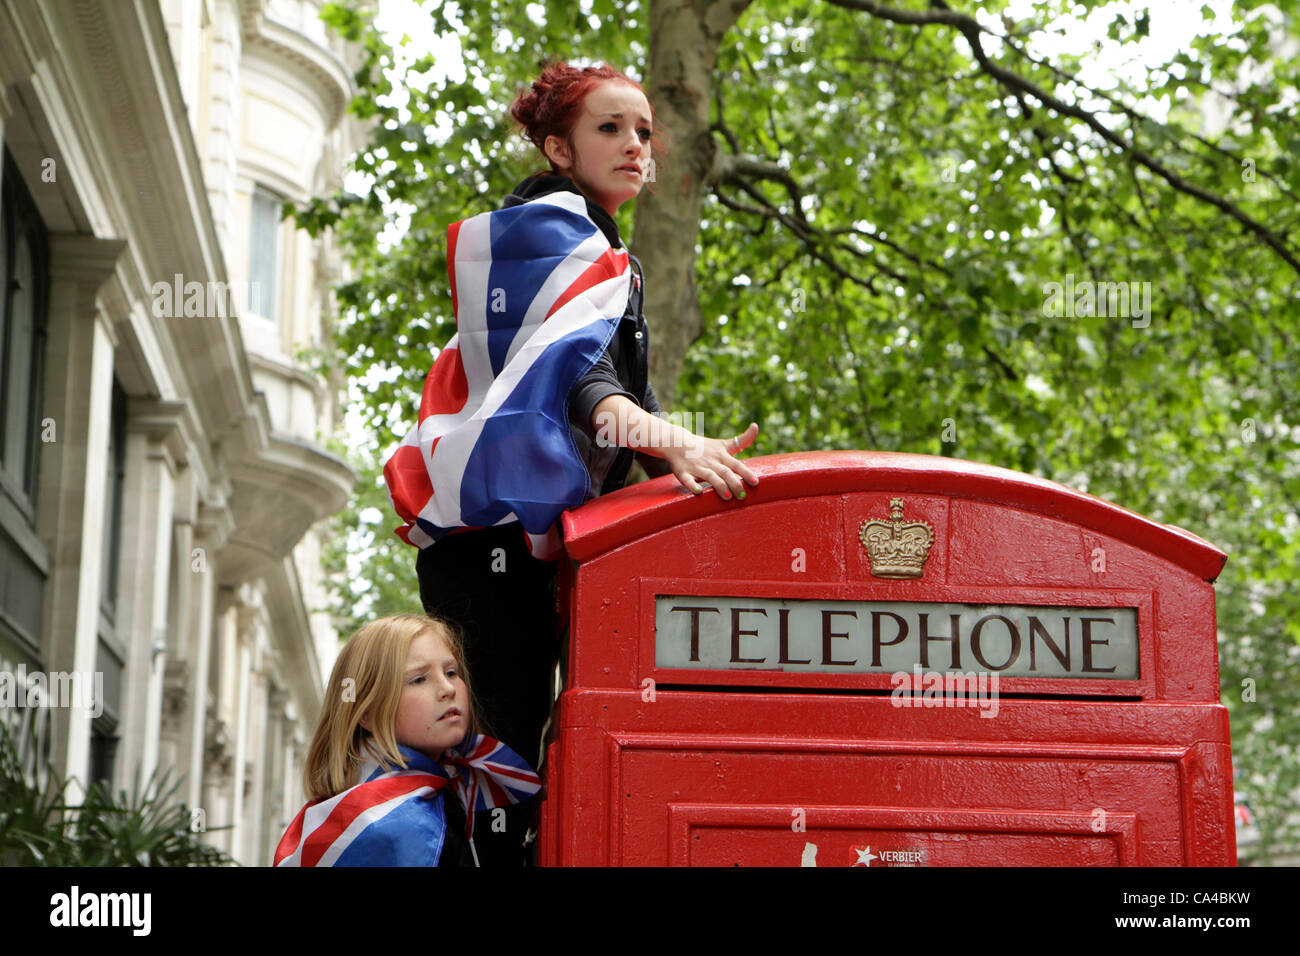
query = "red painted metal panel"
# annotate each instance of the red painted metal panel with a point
(880, 773)
(703, 834)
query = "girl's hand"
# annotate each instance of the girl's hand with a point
(693, 458)
(712, 461)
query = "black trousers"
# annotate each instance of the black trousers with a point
(503, 600)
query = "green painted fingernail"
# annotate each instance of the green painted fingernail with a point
(742, 495)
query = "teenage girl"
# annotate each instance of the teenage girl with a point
(594, 128)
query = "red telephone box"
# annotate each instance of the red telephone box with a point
(886, 659)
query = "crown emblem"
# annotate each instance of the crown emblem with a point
(897, 548)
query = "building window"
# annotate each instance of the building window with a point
(262, 251)
(24, 272)
(103, 750)
(24, 296)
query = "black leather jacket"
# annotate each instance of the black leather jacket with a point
(622, 370)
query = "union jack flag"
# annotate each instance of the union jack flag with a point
(538, 292)
(395, 817)
(491, 775)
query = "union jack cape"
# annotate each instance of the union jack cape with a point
(395, 817)
(538, 291)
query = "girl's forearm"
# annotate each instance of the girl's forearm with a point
(620, 421)
(694, 459)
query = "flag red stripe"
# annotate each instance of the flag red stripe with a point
(523, 776)
(358, 800)
(453, 233)
(292, 835)
(608, 266)
(409, 487)
(445, 388)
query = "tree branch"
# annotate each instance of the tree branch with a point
(767, 209)
(1133, 115)
(971, 30)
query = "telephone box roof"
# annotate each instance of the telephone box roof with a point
(613, 520)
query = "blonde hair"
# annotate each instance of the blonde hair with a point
(374, 663)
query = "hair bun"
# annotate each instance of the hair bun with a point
(552, 104)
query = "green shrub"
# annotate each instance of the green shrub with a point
(149, 827)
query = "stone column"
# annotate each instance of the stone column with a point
(177, 689)
(216, 780)
(223, 116)
(272, 815)
(292, 796)
(247, 612)
(178, 673)
(218, 757)
(209, 536)
(258, 738)
(154, 456)
(72, 497)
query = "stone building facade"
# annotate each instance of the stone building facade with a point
(164, 485)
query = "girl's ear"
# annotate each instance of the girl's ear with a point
(557, 152)
(365, 722)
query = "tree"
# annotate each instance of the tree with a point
(907, 228)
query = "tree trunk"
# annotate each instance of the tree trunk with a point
(684, 39)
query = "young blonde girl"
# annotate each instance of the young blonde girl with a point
(397, 730)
